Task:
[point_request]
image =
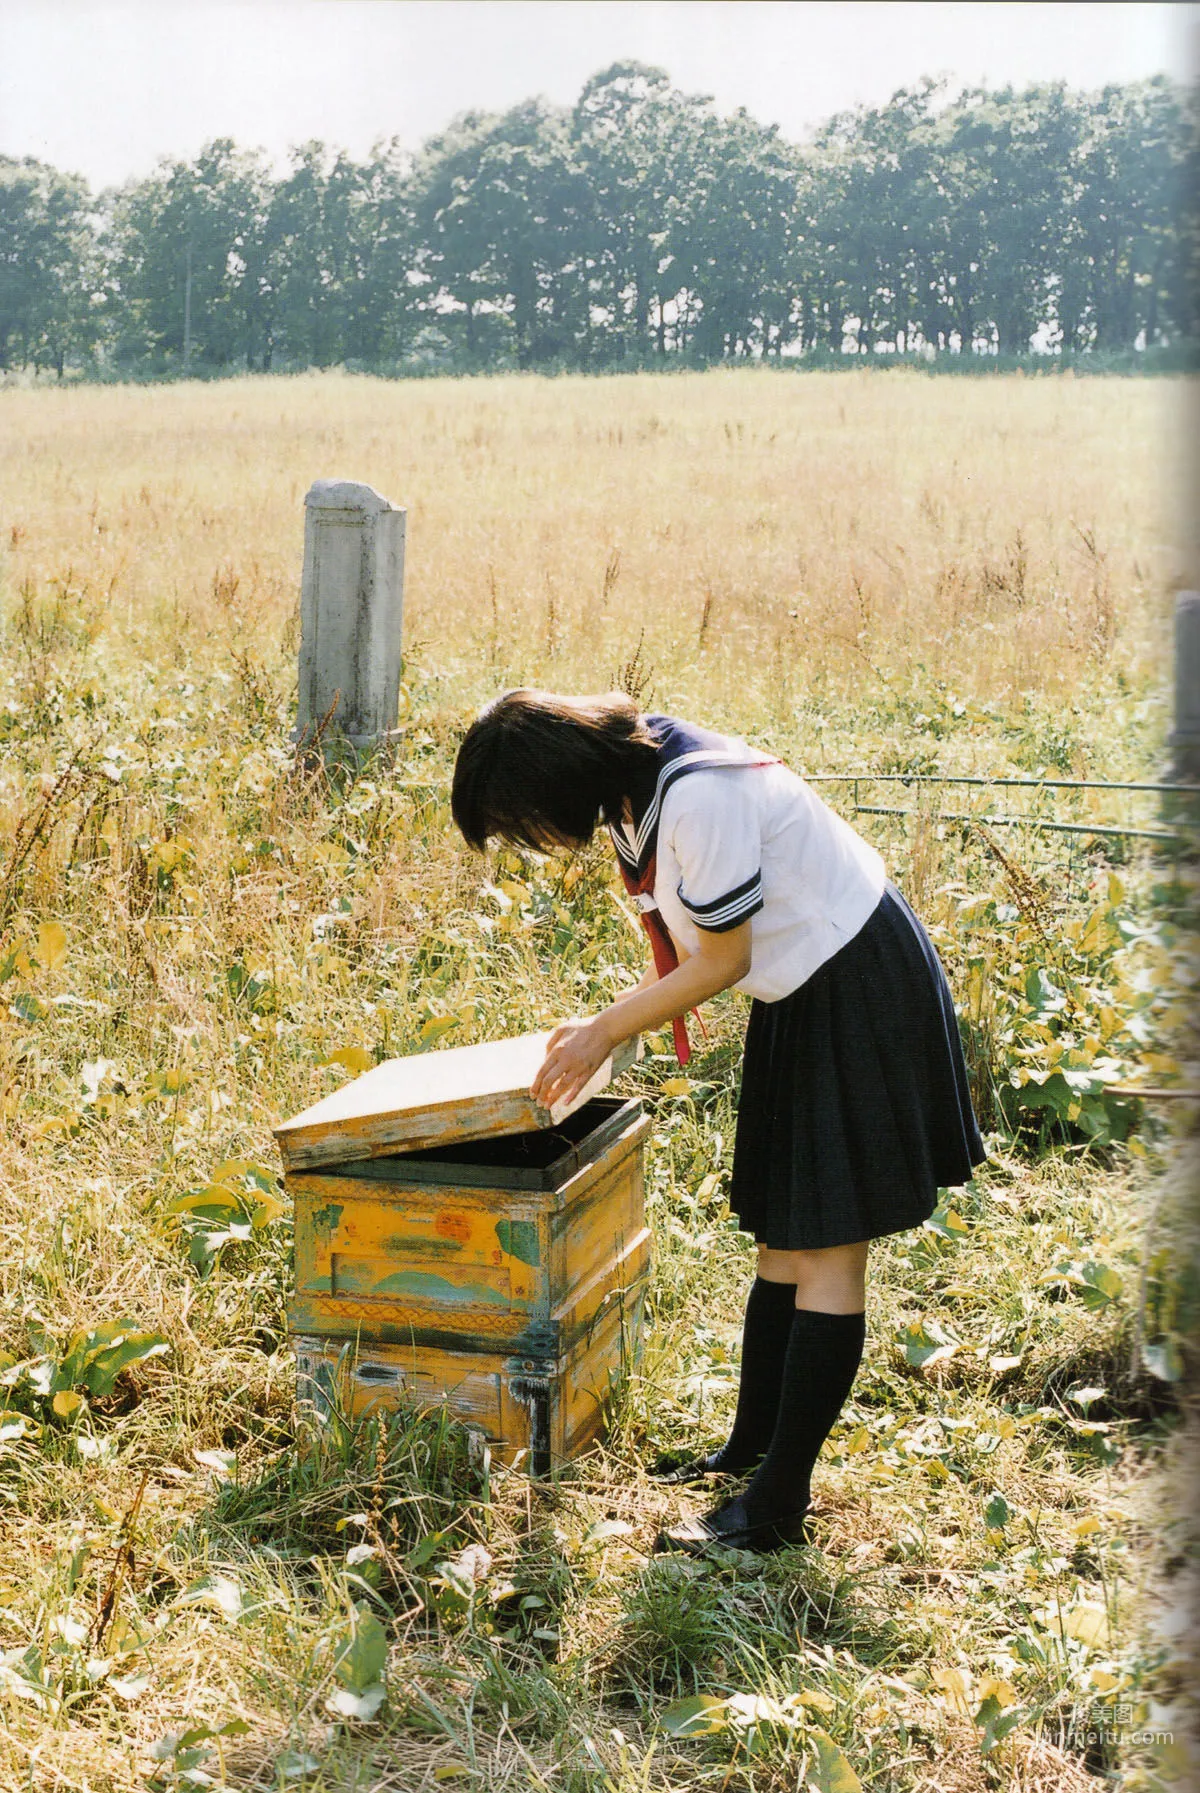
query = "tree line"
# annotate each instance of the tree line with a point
(638, 227)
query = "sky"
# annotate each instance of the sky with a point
(103, 88)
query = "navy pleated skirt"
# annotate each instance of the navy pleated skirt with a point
(854, 1107)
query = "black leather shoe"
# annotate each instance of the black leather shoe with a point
(731, 1528)
(677, 1471)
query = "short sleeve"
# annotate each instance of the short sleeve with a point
(713, 828)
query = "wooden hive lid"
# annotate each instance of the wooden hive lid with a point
(464, 1092)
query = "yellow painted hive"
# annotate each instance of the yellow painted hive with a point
(457, 1244)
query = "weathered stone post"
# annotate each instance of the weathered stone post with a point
(351, 610)
(1184, 739)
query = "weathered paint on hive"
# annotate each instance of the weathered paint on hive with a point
(423, 1285)
(520, 1239)
(519, 1309)
(366, 1249)
(540, 1410)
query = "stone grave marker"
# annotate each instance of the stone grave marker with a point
(351, 612)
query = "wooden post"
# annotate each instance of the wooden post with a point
(1184, 739)
(351, 611)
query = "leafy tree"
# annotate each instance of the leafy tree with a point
(637, 225)
(337, 252)
(47, 265)
(1014, 153)
(184, 248)
(1124, 223)
(501, 204)
(633, 134)
(735, 239)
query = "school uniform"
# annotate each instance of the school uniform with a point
(854, 1107)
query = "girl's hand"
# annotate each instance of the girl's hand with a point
(574, 1053)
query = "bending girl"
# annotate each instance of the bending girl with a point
(854, 1108)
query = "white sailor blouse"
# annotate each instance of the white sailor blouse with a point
(728, 835)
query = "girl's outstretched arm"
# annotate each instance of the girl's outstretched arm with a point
(647, 981)
(577, 1049)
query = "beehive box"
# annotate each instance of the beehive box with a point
(466, 1246)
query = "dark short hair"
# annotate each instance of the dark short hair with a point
(541, 771)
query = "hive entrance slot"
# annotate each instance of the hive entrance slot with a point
(385, 1374)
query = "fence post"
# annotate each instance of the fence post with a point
(351, 611)
(1184, 739)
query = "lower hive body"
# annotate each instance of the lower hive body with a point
(508, 1284)
(534, 1411)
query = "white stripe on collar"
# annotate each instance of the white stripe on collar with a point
(700, 758)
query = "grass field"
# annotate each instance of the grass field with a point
(878, 573)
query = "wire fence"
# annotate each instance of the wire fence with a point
(1178, 826)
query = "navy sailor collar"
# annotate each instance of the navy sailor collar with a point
(682, 748)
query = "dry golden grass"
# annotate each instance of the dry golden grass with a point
(768, 532)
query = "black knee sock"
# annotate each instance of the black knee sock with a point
(823, 1355)
(765, 1334)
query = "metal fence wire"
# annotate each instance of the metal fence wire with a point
(1177, 832)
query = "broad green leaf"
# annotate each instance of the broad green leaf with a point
(831, 1772)
(361, 1654)
(701, 1715)
(926, 1343)
(995, 1721)
(426, 1549)
(217, 1199)
(1042, 993)
(103, 1364)
(42, 1375)
(175, 1743)
(997, 1513)
(947, 1223)
(27, 1008)
(15, 961)
(1099, 1286)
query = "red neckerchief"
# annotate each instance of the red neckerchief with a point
(662, 946)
